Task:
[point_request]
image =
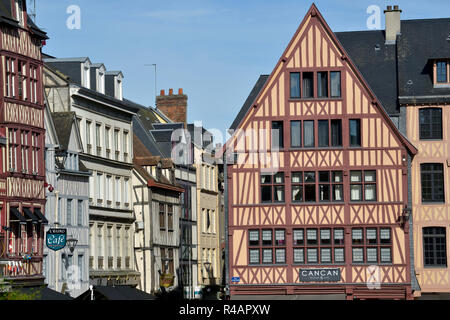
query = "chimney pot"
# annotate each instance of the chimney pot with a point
(389, 8)
(180, 91)
(395, 7)
(162, 93)
(170, 92)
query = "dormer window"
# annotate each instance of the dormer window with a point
(118, 90)
(441, 68)
(101, 82)
(19, 12)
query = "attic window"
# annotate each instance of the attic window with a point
(442, 72)
(19, 12)
(377, 47)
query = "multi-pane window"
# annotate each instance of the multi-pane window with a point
(80, 213)
(69, 212)
(441, 72)
(308, 133)
(33, 84)
(324, 246)
(371, 245)
(116, 143)
(430, 123)
(118, 191)
(296, 134)
(162, 216)
(98, 138)
(272, 187)
(10, 77)
(322, 84)
(335, 84)
(355, 132)
(329, 184)
(432, 180)
(108, 142)
(363, 185)
(88, 136)
(434, 247)
(295, 84)
(330, 133)
(328, 84)
(35, 147)
(125, 146)
(13, 148)
(24, 140)
(22, 81)
(267, 246)
(308, 84)
(170, 217)
(277, 135)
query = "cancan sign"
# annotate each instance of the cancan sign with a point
(320, 275)
(56, 239)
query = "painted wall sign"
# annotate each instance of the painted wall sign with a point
(56, 239)
(320, 275)
(235, 279)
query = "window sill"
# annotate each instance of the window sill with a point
(436, 267)
(268, 264)
(431, 139)
(428, 203)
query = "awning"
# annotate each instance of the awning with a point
(40, 216)
(30, 215)
(19, 217)
(116, 293)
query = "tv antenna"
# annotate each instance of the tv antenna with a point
(31, 8)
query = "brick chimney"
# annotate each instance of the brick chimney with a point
(393, 29)
(174, 106)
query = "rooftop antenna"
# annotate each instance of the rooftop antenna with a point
(153, 65)
(31, 6)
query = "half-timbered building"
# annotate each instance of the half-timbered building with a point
(316, 180)
(22, 171)
(407, 65)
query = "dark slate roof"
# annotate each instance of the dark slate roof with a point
(376, 62)
(420, 41)
(143, 133)
(44, 293)
(253, 94)
(6, 17)
(116, 293)
(63, 125)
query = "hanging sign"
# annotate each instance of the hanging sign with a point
(56, 239)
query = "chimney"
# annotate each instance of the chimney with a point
(392, 16)
(174, 106)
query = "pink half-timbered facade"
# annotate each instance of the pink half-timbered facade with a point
(22, 169)
(317, 194)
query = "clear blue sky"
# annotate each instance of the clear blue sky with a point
(213, 49)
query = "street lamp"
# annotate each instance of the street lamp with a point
(72, 243)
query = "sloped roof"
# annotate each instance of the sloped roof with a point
(314, 11)
(63, 126)
(248, 102)
(6, 17)
(117, 293)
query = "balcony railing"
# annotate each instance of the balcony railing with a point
(91, 262)
(110, 262)
(127, 262)
(119, 262)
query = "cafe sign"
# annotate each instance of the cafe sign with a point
(320, 275)
(166, 280)
(56, 239)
